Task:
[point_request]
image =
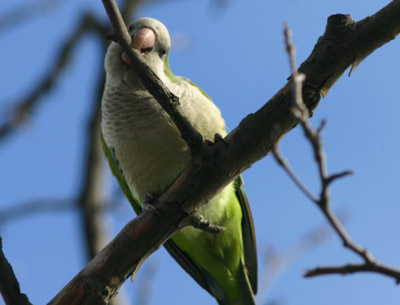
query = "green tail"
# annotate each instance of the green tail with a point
(246, 295)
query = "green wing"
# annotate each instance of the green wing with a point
(181, 257)
(117, 172)
(249, 236)
(249, 241)
(249, 245)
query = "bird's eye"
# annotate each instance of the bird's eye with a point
(163, 52)
(131, 27)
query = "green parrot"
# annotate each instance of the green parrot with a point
(147, 154)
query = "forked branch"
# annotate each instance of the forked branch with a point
(300, 112)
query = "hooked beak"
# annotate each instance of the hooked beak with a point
(143, 41)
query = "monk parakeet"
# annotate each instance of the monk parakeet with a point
(147, 154)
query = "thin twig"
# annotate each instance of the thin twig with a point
(354, 268)
(26, 12)
(57, 205)
(285, 164)
(300, 112)
(21, 112)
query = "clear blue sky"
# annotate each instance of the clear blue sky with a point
(236, 55)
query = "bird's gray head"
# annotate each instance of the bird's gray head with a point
(151, 38)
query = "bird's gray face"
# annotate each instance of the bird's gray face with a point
(151, 38)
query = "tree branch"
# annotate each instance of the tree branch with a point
(9, 286)
(323, 202)
(26, 106)
(376, 267)
(249, 142)
(27, 12)
(91, 199)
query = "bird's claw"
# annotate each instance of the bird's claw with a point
(199, 222)
(149, 202)
(217, 138)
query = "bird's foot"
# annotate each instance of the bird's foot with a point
(217, 138)
(149, 202)
(199, 222)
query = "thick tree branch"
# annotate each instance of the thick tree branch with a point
(9, 286)
(249, 142)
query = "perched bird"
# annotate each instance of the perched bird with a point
(147, 154)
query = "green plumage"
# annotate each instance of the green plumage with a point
(146, 154)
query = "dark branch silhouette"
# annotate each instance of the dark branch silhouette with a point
(9, 286)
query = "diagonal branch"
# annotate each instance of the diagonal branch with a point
(27, 12)
(252, 140)
(27, 105)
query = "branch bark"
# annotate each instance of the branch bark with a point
(344, 43)
(9, 286)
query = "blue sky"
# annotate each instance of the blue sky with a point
(236, 54)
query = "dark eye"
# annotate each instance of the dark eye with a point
(163, 52)
(131, 27)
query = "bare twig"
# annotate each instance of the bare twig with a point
(25, 107)
(323, 202)
(168, 101)
(26, 12)
(9, 285)
(284, 163)
(36, 206)
(356, 268)
(47, 205)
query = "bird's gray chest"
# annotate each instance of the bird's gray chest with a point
(147, 145)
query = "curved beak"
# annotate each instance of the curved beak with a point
(143, 41)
